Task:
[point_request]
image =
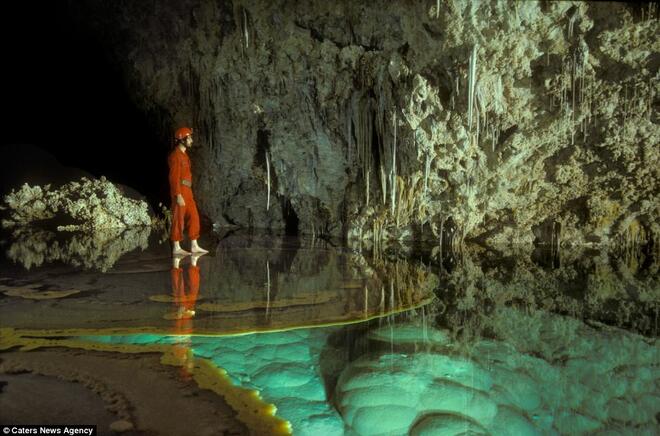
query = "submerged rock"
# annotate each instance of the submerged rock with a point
(561, 377)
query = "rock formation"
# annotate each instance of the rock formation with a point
(496, 121)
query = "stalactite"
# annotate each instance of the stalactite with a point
(367, 186)
(573, 82)
(493, 140)
(558, 237)
(625, 100)
(361, 115)
(268, 180)
(383, 183)
(485, 124)
(442, 225)
(561, 90)
(571, 23)
(382, 301)
(427, 169)
(400, 200)
(650, 100)
(348, 128)
(471, 83)
(582, 73)
(267, 287)
(467, 189)
(393, 170)
(245, 29)
(477, 135)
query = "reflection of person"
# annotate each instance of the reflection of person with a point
(183, 203)
(184, 302)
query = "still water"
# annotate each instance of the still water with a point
(362, 340)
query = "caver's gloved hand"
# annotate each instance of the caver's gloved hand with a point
(179, 200)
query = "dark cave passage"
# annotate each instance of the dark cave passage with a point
(69, 100)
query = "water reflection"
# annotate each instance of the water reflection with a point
(250, 284)
(280, 281)
(185, 290)
(596, 285)
(535, 373)
(34, 247)
(498, 342)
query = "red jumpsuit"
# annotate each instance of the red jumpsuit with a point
(180, 183)
(182, 298)
(183, 325)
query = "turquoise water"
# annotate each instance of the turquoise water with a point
(539, 374)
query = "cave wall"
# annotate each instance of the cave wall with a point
(503, 122)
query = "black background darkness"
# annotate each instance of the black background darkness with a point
(61, 93)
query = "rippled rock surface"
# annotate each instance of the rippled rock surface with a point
(539, 374)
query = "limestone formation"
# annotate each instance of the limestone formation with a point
(508, 122)
(86, 205)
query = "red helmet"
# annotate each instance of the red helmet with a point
(183, 132)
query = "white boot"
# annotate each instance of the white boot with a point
(178, 251)
(196, 248)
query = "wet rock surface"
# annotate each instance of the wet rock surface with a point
(118, 393)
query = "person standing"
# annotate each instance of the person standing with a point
(183, 203)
